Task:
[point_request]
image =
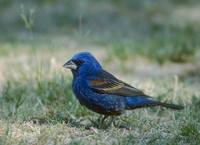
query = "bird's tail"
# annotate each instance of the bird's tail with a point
(171, 106)
(142, 101)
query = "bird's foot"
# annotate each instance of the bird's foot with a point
(105, 123)
(122, 124)
(101, 122)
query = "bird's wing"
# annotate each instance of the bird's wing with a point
(106, 83)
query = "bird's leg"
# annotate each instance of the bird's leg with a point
(104, 118)
(112, 120)
(93, 122)
(116, 123)
(101, 121)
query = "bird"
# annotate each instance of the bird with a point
(100, 91)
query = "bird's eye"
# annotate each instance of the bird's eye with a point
(78, 62)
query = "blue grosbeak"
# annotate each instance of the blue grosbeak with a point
(102, 92)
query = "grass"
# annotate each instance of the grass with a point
(37, 106)
(173, 44)
(157, 51)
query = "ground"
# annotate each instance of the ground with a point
(38, 107)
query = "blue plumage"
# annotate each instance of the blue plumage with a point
(102, 92)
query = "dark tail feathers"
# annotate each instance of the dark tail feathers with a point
(171, 106)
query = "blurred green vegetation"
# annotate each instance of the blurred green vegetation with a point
(150, 28)
(177, 45)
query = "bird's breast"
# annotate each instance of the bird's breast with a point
(80, 90)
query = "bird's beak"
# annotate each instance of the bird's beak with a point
(70, 65)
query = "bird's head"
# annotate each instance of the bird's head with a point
(83, 63)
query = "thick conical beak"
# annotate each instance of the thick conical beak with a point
(70, 65)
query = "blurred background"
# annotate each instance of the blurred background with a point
(159, 30)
